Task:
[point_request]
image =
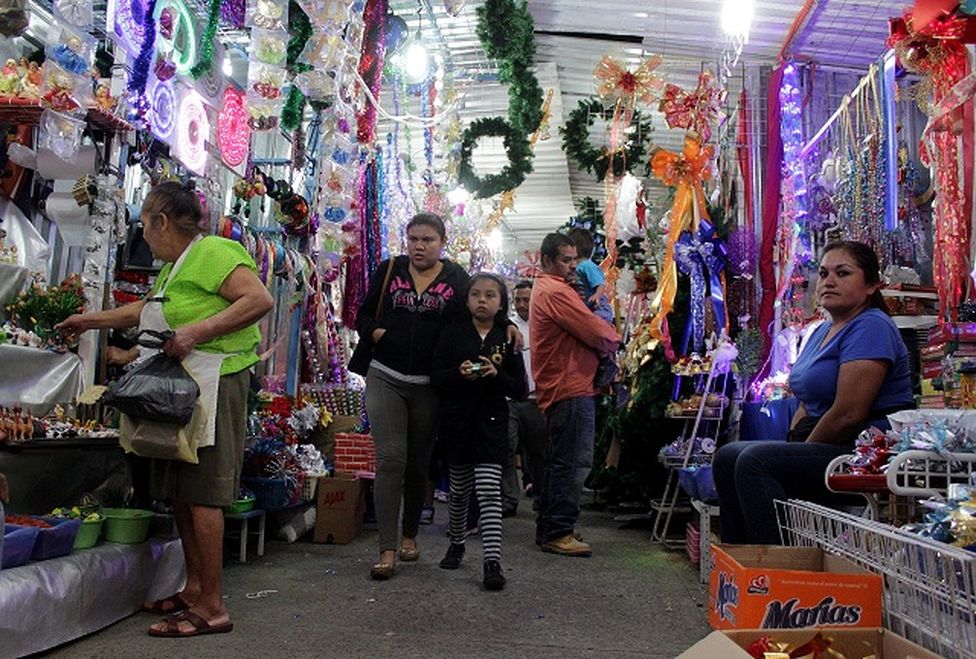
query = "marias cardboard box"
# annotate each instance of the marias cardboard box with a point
(769, 587)
(849, 643)
(339, 509)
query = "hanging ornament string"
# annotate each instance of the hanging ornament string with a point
(140, 67)
(208, 42)
(371, 66)
(406, 118)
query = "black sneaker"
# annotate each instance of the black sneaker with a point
(427, 515)
(494, 579)
(452, 559)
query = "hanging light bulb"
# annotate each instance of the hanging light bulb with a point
(737, 18)
(228, 66)
(416, 63)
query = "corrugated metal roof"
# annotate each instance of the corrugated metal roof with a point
(572, 36)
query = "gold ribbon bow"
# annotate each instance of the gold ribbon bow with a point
(687, 171)
(615, 81)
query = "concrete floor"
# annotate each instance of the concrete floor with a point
(631, 599)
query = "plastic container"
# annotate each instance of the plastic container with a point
(240, 506)
(687, 481)
(269, 493)
(57, 540)
(705, 484)
(88, 534)
(309, 486)
(127, 526)
(18, 544)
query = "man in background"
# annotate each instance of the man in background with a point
(567, 341)
(526, 425)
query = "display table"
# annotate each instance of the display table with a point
(38, 379)
(45, 604)
(46, 474)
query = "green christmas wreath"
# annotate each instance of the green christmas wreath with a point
(517, 149)
(576, 141)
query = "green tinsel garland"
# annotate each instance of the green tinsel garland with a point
(517, 149)
(208, 40)
(294, 110)
(576, 141)
(505, 30)
(300, 28)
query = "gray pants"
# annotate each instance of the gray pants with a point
(526, 429)
(402, 419)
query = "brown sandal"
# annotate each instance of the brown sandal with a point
(409, 554)
(176, 604)
(200, 627)
(382, 571)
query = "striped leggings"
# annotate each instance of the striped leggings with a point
(486, 481)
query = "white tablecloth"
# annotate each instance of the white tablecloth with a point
(45, 604)
(38, 379)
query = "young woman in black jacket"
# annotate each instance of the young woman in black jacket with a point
(423, 293)
(475, 370)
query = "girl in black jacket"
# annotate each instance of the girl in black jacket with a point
(475, 368)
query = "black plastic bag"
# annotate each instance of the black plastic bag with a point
(159, 389)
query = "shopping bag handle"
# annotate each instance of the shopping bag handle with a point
(155, 339)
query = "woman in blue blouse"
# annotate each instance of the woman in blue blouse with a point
(853, 372)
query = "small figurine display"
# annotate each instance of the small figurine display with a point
(16, 424)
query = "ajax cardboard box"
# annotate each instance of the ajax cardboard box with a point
(769, 587)
(339, 509)
(849, 643)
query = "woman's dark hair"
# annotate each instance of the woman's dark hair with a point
(179, 202)
(583, 240)
(551, 245)
(428, 220)
(865, 258)
(501, 318)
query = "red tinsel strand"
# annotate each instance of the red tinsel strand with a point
(371, 65)
(356, 275)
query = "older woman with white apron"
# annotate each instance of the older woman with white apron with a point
(209, 297)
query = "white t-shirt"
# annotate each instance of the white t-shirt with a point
(523, 327)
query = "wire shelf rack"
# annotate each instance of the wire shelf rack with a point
(929, 587)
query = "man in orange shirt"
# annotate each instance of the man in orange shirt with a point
(566, 340)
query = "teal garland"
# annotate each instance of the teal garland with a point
(517, 149)
(204, 65)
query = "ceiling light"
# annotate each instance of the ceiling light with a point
(737, 18)
(416, 62)
(228, 66)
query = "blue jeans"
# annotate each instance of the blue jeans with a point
(750, 475)
(570, 426)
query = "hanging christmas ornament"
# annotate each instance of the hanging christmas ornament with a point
(698, 110)
(162, 101)
(192, 132)
(233, 131)
(396, 33)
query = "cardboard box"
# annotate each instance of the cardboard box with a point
(768, 587)
(339, 509)
(851, 643)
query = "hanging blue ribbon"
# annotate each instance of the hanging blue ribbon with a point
(702, 256)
